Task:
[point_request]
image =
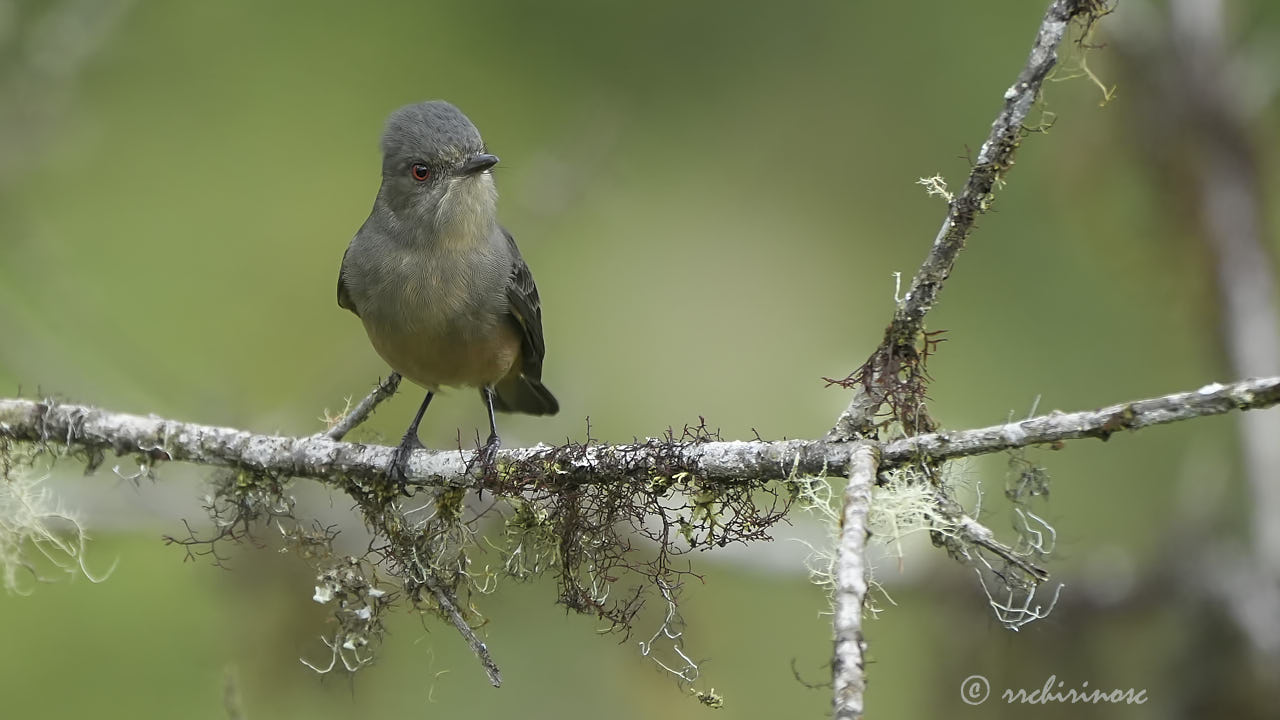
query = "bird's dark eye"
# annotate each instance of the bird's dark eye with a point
(420, 172)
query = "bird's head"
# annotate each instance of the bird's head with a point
(436, 173)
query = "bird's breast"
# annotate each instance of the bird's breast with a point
(440, 318)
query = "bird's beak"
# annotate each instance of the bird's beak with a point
(478, 164)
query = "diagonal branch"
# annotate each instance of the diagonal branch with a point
(361, 412)
(449, 605)
(973, 532)
(897, 352)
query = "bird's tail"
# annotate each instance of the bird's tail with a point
(520, 393)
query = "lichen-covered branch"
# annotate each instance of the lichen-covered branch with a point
(848, 662)
(317, 457)
(96, 431)
(564, 493)
(896, 367)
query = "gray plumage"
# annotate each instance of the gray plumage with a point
(440, 286)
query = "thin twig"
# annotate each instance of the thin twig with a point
(383, 390)
(972, 531)
(449, 604)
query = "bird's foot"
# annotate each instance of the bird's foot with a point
(398, 469)
(486, 458)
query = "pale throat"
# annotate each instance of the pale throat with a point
(468, 211)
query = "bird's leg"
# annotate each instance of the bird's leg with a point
(398, 470)
(487, 456)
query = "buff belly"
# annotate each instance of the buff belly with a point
(435, 358)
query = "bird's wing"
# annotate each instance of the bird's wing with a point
(526, 308)
(344, 295)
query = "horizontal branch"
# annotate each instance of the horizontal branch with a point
(320, 458)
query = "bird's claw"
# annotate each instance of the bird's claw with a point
(398, 469)
(486, 457)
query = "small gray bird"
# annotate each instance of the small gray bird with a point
(440, 286)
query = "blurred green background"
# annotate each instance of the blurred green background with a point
(713, 197)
